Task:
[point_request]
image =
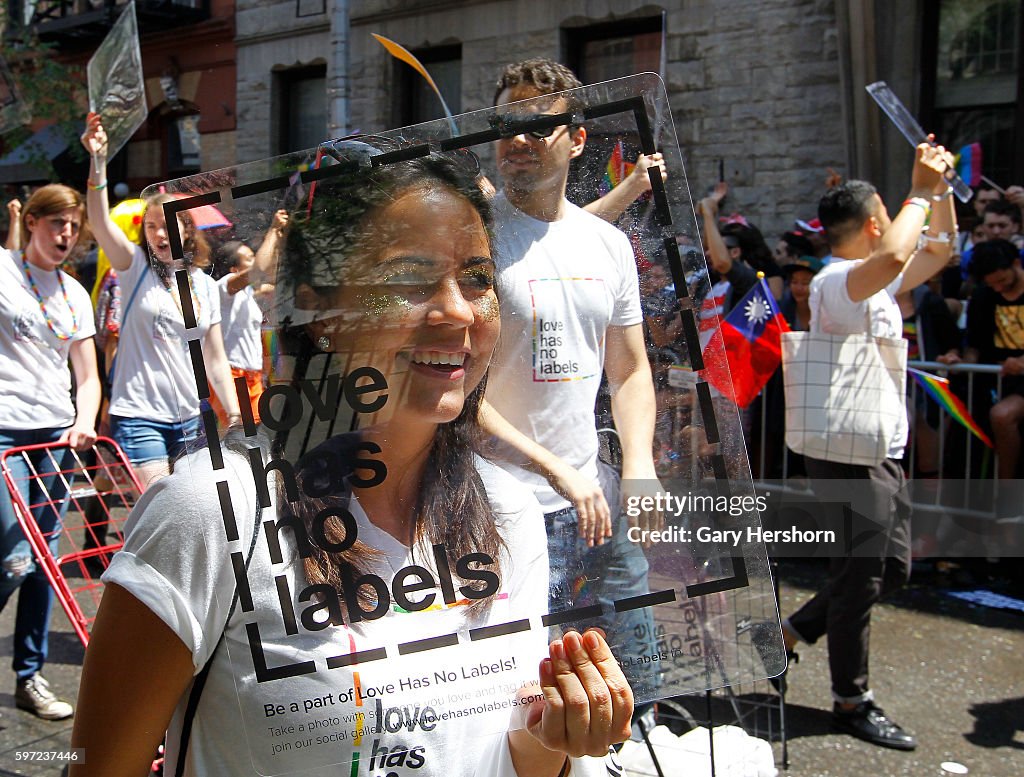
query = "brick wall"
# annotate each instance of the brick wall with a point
(754, 83)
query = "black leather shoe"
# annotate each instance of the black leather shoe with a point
(867, 721)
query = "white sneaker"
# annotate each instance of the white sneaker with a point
(34, 694)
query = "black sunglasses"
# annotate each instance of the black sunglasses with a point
(536, 125)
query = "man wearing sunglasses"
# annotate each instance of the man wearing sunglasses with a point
(570, 312)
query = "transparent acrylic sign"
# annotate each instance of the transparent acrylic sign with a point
(116, 88)
(348, 646)
(13, 110)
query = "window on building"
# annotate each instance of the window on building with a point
(301, 98)
(972, 80)
(415, 101)
(601, 52)
(184, 146)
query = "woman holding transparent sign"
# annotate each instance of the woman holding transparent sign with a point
(154, 405)
(425, 538)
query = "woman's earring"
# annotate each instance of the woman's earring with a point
(323, 343)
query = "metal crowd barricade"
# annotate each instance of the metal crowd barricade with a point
(92, 491)
(956, 494)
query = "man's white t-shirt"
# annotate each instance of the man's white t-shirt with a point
(833, 312)
(153, 377)
(561, 284)
(240, 326)
(181, 570)
(35, 382)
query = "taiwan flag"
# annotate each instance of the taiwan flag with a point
(752, 337)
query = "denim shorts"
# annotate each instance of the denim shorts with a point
(143, 440)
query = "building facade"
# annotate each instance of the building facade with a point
(768, 92)
(188, 61)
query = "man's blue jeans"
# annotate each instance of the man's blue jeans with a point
(19, 569)
(617, 569)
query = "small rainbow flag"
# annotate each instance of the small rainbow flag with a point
(617, 168)
(968, 163)
(938, 389)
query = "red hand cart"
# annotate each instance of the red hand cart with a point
(94, 490)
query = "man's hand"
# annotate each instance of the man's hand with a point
(595, 518)
(280, 221)
(636, 485)
(643, 163)
(950, 357)
(1015, 194)
(1014, 365)
(708, 207)
(930, 166)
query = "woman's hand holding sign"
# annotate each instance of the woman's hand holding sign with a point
(587, 706)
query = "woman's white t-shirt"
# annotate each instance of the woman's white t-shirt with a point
(304, 721)
(35, 382)
(153, 377)
(241, 326)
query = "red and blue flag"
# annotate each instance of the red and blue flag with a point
(968, 164)
(752, 337)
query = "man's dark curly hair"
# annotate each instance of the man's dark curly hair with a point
(544, 75)
(992, 256)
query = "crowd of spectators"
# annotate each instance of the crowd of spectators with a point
(971, 313)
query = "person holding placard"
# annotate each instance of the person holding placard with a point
(154, 405)
(398, 261)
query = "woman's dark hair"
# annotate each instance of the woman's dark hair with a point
(324, 234)
(226, 258)
(452, 508)
(753, 249)
(797, 244)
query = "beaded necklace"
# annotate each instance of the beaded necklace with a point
(42, 304)
(197, 305)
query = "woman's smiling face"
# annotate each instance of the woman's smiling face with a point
(418, 303)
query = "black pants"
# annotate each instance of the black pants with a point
(875, 509)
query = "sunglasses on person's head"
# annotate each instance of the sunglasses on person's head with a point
(536, 125)
(375, 150)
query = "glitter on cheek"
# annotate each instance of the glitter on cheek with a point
(379, 304)
(487, 308)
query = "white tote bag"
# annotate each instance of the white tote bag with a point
(845, 395)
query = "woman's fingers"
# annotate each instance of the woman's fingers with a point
(588, 701)
(575, 702)
(598, 705)
(547, 723)
(619, 693)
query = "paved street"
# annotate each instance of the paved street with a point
(950, 672)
